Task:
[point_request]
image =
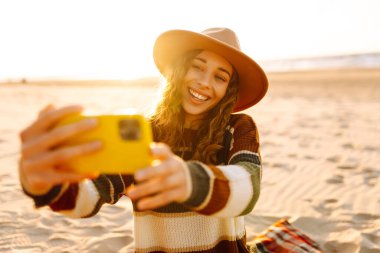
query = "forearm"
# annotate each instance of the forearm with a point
(83, 199)
(225, 191)
(86, 198)
(41, 196)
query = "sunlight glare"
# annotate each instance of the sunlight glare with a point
(114, 40)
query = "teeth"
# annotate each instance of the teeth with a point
(197, 95)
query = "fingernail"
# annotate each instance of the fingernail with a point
(141, 206)
(92, 122)
(96, 144)
(131, 193)
(154, 149)
(139, 175)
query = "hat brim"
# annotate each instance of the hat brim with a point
(174, 43)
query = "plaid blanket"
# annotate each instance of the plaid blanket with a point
(282, 237)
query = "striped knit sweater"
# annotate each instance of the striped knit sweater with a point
(211, 220)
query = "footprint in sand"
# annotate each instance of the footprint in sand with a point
(365, 218)
(371, 240)
(334, 159)
(348, 146)
(284, 166)
(371, 148)
(335, 179)
(370, 176)
(269, 143)
(327, 206)
(5, 177)
(335, 246)
(365, 222)
(59, 241)
(349, 164)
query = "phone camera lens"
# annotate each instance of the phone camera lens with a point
(129, 129)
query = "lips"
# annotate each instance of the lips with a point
(198, 96)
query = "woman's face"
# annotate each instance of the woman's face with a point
(205, 84)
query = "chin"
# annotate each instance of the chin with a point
(194, 111)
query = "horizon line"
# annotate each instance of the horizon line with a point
(264, 63)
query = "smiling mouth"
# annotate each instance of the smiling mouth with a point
(198, 96)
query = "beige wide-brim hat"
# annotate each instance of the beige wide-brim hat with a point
(172, 44)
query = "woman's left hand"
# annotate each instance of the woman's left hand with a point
(166, 181)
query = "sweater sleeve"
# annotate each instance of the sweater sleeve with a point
(229, 190)
(84, 199)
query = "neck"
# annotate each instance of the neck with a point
(193, 121)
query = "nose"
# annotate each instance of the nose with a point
(205, 80)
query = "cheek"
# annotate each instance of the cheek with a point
(221, 91)
(190, 74)
(187, 79)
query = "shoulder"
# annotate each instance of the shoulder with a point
(243, 134)
(242, 121)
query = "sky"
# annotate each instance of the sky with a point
(113, 39)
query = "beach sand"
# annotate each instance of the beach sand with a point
(320, 145)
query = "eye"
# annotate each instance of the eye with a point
(196, 66)
(221, 78)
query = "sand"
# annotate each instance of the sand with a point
(320, 144)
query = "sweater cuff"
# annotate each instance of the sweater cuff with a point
(200, 184)
(44, 199)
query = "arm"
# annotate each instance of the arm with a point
(225, 191)
(233, 189)
(84, 199)
(43, 175)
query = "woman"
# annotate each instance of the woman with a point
(208, 177)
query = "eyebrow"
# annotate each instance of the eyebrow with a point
(219, 68)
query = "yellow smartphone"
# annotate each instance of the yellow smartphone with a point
(125, 138)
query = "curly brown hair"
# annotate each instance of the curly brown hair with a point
(169, 118)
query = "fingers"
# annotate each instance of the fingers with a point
(42, 172)
(167, 163)
(162, 183)
(43, 162)
(163, 168)
(59, 156)
(55, 137)
(160, 151)
(50, 178)
(46, 109)
(160, 200)
(155, 185)
(48, 117)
